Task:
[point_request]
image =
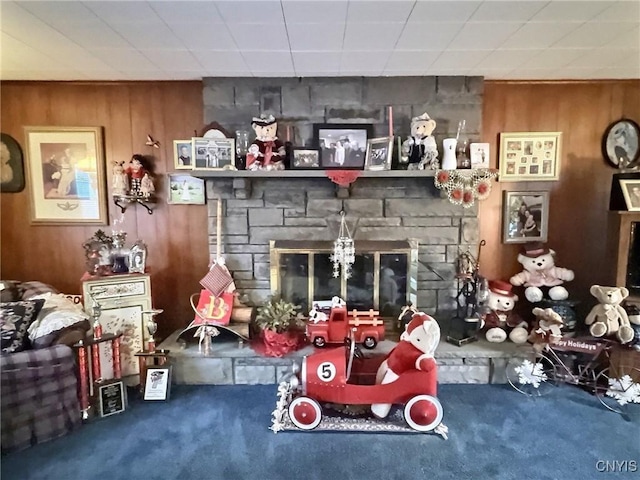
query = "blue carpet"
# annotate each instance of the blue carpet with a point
(222, 432)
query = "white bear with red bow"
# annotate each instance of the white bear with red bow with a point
(414, 351)
(500, 321)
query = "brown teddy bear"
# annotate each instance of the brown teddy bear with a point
(548, 329)
(420, 149)
(608, 317)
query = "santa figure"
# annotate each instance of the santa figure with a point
(414, 352)
(266, 152)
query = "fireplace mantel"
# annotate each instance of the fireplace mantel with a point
(307, 173)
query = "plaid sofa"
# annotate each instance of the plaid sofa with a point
(39, 391)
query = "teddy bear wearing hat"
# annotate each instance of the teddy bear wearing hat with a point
(266, 152)
(540, 271)
(548, 329)
(414, 352)
(420, 149)
(500, 319)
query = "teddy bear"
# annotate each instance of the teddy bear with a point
(500, 319)
(608, 317)
(420, 149)
(540, 271)
(548, 330)
(266, 152)
(414, 351)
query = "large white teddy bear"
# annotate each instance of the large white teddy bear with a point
(414, 351)
(540, 271)
(500, 319)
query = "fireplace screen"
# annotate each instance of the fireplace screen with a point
(302, 272)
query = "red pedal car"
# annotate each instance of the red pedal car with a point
(344, 376)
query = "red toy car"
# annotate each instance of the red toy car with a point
(366, 326)
(344, 376)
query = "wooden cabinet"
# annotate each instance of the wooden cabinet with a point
(624, 246)
(122, 298)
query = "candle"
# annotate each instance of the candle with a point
(288, 132)
(390, 121)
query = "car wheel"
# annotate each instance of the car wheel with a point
(423, 413)
(319, 342)
(369, 343)
(305, 413)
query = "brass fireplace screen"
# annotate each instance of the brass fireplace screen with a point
(384, 275)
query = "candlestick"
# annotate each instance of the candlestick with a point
(390, 121)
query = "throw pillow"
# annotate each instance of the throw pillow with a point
(9, 291)
(15, 318)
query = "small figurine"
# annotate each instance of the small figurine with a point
(420, 150)
(548, 329)
(266, 152)
(146, 186)
(120, 184)
(136, 172)
(540, 271)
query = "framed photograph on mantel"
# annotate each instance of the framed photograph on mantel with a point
(66, 177)
(342, 145)
(525, 217)
(530, 156)
(379, 153)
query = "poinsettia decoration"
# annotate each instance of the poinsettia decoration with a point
(464, 187)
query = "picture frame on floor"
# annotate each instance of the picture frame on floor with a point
(157, 385)
(530, 156)
(66, 175)
(525, 217)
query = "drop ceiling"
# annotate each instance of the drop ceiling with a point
(184, 40)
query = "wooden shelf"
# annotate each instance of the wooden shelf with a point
(306, 173)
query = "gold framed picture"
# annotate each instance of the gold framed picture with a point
(66, 177)
(530, 156)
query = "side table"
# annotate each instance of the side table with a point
(90, 371)
(155, 358)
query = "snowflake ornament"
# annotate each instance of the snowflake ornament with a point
(531, 374)
(624, 390)
(344, 251)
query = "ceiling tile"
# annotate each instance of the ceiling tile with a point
(61, 13)
(229, 61)
(629, 38)
(200, 36)
(152, 33)
(593, 34)
(187, 12)
(122, 12)
(570, 11)
(554, 58)
(538, 35)
(271, 36)
(443, 11)
(410, 61)
(490, 73)
(316, 61)
(265, 61)
(379, 11)
(96, 35)
(123, 59)
(372, 36)
(465, 59)
(359, 61)
(170, 60)
(485, 35)
(316, 36)
(520, 11)
(265, 11)
(500, 59)
(326, 12)
(620, 12)
(608, 57)
(619, 72)
(428, 36)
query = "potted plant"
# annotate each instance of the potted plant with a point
(281, 327)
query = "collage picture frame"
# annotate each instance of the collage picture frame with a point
(530, 156)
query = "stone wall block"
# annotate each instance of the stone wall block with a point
(398, 90)
(317, 207)
(260, 217)
(217, 93)
(334, 92)
(363, 208)
(296, 101)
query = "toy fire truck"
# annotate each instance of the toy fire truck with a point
(367, 327)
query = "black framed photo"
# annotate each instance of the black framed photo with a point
(112, 397)
(304, 158)
(620, 144)
(12, 165)
(379, 154)
(157, 385)
(342, 145)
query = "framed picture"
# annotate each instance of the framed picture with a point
(631, 192)
(182, 155)
(530, 157)
(186, 190)
(620, 144)
(379, 154)
(12, 165)
(138, 258)
(213, 153)
(304, 158)
(112, 397)
(525, 217)
(65, 169)
(479, 153)
(342, 145)
(157, 385)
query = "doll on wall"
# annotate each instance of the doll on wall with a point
(136, 172)
(120, 181)
(266, 152)
(420, 150)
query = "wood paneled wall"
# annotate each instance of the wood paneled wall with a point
(175, 234)
(579, 201)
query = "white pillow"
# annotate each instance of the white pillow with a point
(58, 312)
